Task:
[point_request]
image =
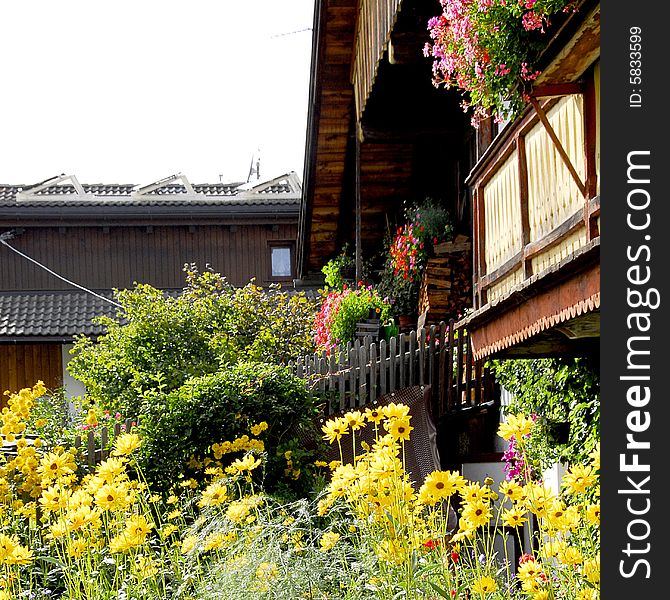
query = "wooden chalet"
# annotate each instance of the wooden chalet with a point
(524, 195)
(103, 237)
(379, 134)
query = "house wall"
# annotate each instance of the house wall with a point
(22, 365)
(102, 257)
(73, 387)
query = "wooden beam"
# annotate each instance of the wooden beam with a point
(557, 89)
(523, 201)
(359, 257)
(559, 147)
(590, 141)
(530, 250)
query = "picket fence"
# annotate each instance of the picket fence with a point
(96, 443)
(357, 374)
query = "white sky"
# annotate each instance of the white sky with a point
(131, 91)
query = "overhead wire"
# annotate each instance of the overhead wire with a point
(3, 241)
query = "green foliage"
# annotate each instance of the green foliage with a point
(354, 307)
(431, 221)
(341, 270)
(159, 341)
(335, 269)
(50, 418)
(221, 406)
(558, 392)
(401, 292)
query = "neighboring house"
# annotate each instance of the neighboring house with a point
(526, 194)
(103, 237)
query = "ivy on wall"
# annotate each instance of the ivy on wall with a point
(563, 395)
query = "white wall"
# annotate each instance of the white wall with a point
(73, 387)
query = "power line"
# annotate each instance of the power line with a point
(8, 235)
(276, 35)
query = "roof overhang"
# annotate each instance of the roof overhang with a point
(552, 313)
(86, 214)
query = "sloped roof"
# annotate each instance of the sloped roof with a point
(59, 316)
(51, 315)
(285, 189)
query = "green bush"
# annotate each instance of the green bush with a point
(563, 392)
(355, 306)
(158, 341)
(222, 406)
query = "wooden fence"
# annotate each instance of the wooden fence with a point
(440, 356)
(96, 443)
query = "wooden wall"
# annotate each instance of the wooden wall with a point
(22, 365)
(105, 257)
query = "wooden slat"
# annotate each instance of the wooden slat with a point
(373, 372)
(412, 358)
(393, 363)
(442, 375)
(383, 367)
(478, 382)
(468, 369)
(340, 377)
(12, 382)
(353, 363)
(431, 358)
(90, 449)
(451, 396)
(362, 377)
(402, 380)
(422, 356)
(459, 370)
(331, 368)
(523, 199)
(104, 438)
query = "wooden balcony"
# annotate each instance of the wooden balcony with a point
(373, 31)
(536, 191)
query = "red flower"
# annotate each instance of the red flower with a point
(431, 544)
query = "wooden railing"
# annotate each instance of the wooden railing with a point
(535, 191)
(373, 30)
(440, 356)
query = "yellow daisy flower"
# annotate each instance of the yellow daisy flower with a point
(515, 425)
(484, 585)
(334, 429)
(399, 428)
(126, 444)
(328, 540)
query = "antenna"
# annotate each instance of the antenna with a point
(255, 166)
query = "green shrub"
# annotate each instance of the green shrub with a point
(222, 406)
(555, 391)
(158, 341)
(355, 306)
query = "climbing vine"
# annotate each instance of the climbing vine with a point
(563, 395)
